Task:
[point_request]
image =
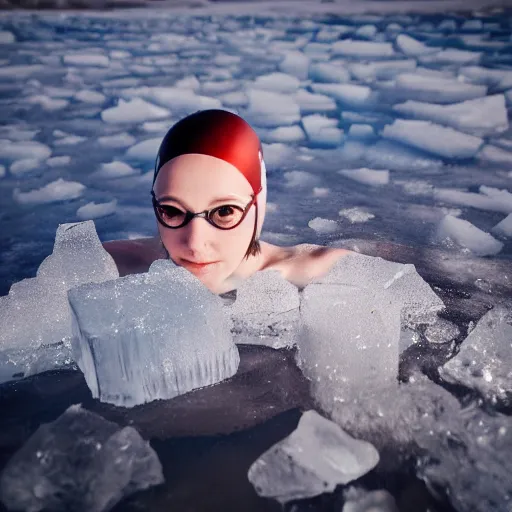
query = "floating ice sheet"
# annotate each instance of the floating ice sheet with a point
(313, 459)
(79, 462)
(484, 360)
(433, 138)
(266, 311)
(465, 234)
(481, 116)
(133, 111)
(150, 336)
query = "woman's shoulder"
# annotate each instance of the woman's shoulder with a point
(300, 264)
(134, 256)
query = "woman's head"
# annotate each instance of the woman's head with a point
(210, 162)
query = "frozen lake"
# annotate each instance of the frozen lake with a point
(388, 134)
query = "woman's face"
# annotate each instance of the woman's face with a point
(197, 183)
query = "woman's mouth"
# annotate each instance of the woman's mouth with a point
(198, 266)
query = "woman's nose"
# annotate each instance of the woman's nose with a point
(197, 234)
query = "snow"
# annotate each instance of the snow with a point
(468, 236)
(436, 139)
(58, 190)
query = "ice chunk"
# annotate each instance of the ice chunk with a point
(313, 459)
(481, 116)
(58, 161)
(133, 111)
(7, 37)
(366, 31)
(495, 155)
(357, 500)
(95, 211)
(79, 462)
(285, 134)
(483, 362)
(348, 94)
(472, 25)
(363, 49)
(498, 79)
(309, 102)
(2, 171)
(504, 228)
(20, 72)
(271, 109)
(300, 179)
(35, 320)
(385, 70)
(234, 99)
(114, 169)
(24, 165)
(150, 336)
(266, 311)
(145, 150)
(86, 59)
(367, 176)
(120, 140)
(413, 48)
(361, 131)
(277, 82)
(295, 63)
(452, 56)
(395, 156)
(356, 215)
(489, 198)
(442, 331)
(468, 460)
(323, 225)
(58, 190)
(436, 89)
(328, 72)
(349, 341)
(436, 139)
(447, 26)
(277, 154)
(70, 140)
(17, 150)
(467, 235)
(322, 130)
(47, 103)
(92, 97)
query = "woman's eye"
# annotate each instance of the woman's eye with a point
(225, 211)
(170, 211)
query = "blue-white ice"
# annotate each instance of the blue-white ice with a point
(150, 336)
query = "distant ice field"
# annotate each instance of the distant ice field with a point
(379, 127)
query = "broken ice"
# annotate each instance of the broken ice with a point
(485, 357)
(266, 311)
(79, 462)
(313, 459)
(150, 336)
(35, 319)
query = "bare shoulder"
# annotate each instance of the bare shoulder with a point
(134, 256)
(300, 264)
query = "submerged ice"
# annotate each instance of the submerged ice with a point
(150, 336)
(79, 462)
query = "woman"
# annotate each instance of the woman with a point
(209, 195)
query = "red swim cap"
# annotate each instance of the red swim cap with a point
(216, 133)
